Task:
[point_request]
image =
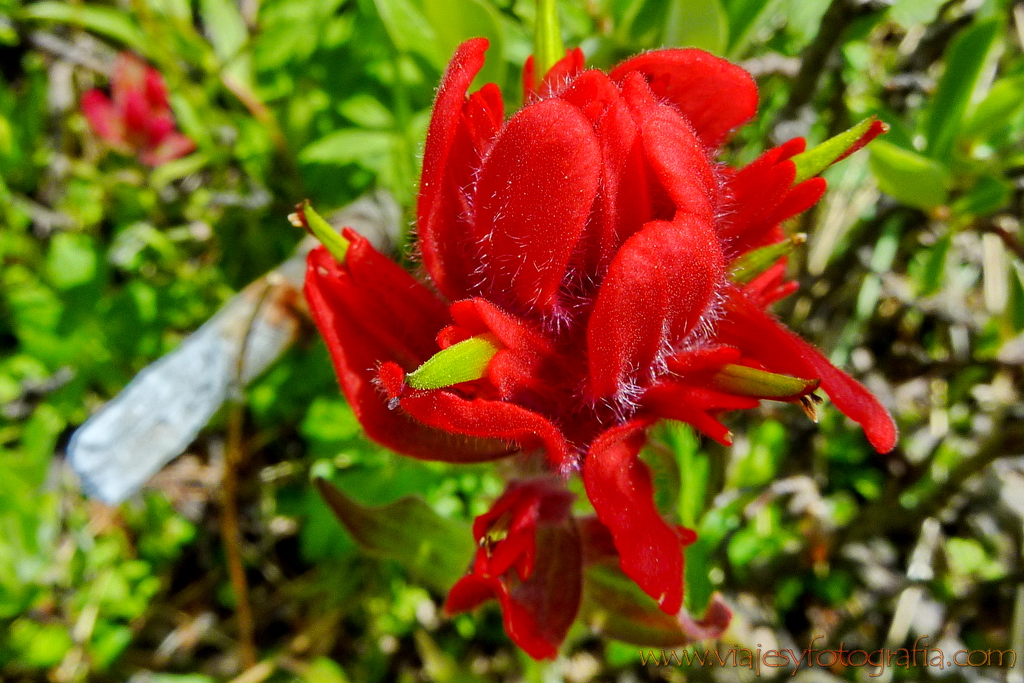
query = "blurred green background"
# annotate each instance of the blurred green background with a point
(912, 279)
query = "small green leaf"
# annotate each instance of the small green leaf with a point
(965, 59)
(929, 276)
(1015, 304)
(409, 30)
(366, 111)
(697, 23)
(747, 381)
(462, 362)
(434, 549)
(753, 263)
(911, 13)
(348, 146)
(106, 21)
(224, 27)
(990, 194)
(817, 159)
(306, 217)
(72, 260)
(547, 38)
(455, 21)
(909, 177)
(745, 18)
(1004, 100)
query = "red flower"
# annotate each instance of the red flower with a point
(138, 121)
(591, 243)
(530, 559)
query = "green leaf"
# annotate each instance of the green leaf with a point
(409, 30)
(106, 21)
(1015, 304)
(434, 549)
(462, 362)
(72, 260)
(366, 111)
(818, 158)
(1003, 102)
(964, 60)
(929, 275)
(989, 194)
(745, 18)
(323, 670)
(614, 606)
(746, 381)
(760, 464)
(753, 263)
(911, 13)
(224, 27)
(697, 23)
(907, 176)
(348, 146)
(306, 217)
(455, 21)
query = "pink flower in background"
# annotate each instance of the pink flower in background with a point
(137, 119)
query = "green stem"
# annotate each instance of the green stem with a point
(547, 39)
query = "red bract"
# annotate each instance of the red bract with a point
(531, 560)
(137, 119)
(588, 240)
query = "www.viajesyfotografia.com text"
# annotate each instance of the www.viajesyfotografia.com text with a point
(879, 660)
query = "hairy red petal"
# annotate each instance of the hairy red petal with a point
(488, 419)
(435, 208)
(676, 157)
(361, 322)
(701, 358)
(618, 484)
(538, 612)
(713, 94)
(625, 204)
(533, 199)
(766, 340)
(660, 282)
(561, 72)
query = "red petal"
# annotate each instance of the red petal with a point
(372, 312)
(537, 613)
(103, 118)
(712, 93)
(488, 419)
(618, 484)
(434, 211)
(700, 358)
(676, 157)
(625, 204)
(129, 77)
(517, 366)
(561, 73)
(693, 405)
(173, 146)
(656, 291)
(156, 90)
(764, 339)
(533, 199)
(480, 315)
